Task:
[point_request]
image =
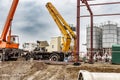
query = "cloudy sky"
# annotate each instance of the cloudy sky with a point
(33, 22)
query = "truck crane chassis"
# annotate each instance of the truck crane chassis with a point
(52, 56)
(7, 54)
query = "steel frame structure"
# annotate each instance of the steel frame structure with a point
(99, 15)
(91, 15)
(78, 30)
(97, 4)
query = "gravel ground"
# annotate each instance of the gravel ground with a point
(26, 70)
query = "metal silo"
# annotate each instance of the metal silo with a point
(109, 36)
(118, 31)
(97, 33)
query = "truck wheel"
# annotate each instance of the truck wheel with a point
(54, 57)
(0, 57)
(27, 57)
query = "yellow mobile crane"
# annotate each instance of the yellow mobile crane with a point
(68, 35)
(65, 29)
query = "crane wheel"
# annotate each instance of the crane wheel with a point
(54, 57)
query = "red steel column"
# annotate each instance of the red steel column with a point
(78, 29)
(91, 41)
(91, 31)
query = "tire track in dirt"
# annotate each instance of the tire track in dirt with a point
(51, 73)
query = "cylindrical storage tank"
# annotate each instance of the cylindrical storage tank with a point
(118, 34)
(109, 35)
(97, 33)
(85, 75)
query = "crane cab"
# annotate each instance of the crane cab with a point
(12, 42)
(14, 39)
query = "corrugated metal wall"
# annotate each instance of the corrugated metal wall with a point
(97, 33)
(118, 33)
(109, 35)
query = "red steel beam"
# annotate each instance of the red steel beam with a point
(97, 4)
(99, 15)
(9, 19)
(90, 0)
(91, 31)
(78, 30)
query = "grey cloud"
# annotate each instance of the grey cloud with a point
(33, 18)
(33, 22)
(34, 28)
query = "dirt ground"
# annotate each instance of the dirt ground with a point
(35, 70)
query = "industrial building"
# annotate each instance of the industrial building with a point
(97, 38)
(104, 36)
(55, 44)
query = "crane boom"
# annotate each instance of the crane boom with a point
(9, 44)
(63, 26)
(7, 40)
(54, 13)
(9, 20)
